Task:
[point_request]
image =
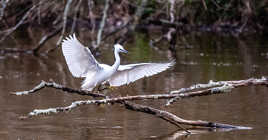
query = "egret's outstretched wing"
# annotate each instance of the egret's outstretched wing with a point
(79, 59)
(132, 72)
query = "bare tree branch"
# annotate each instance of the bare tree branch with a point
(102, 24)
(139, 13)
(45, 38)
(172, 10)
(11, 30)
(115, 31)
(91, 15)
(204, 4)
(2, 9)
(224, 86)
(215, 90)
(65, 14)
(75, 15)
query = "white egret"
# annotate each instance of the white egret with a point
(82, 63)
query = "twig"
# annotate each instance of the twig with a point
(172, 11)
(65, 14)
(136, 19)
(102, 24)
(2, 9)
(139, 12)
(204, 4)
(217, 5)
(115, 31)
(11, 30)
(75, 15)
(45, 38)
(91, 16)
(42, 41)
(15, 50)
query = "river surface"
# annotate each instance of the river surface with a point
(200, 58)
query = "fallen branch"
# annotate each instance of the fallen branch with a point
(224, 87)
(215, 90)
(175, 119)
(167, 116)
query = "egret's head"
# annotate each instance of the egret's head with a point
(119, 48)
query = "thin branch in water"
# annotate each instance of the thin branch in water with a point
(65, 14)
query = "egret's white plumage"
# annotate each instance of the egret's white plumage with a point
(82, 63)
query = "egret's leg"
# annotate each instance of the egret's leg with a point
(112, 88)
(94, 90)
(99, 88)
(102, 87)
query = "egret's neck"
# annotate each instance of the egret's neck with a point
(117, 60)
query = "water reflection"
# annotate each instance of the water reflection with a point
(200, 58)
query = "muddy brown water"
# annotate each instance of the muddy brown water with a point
(200, 58)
